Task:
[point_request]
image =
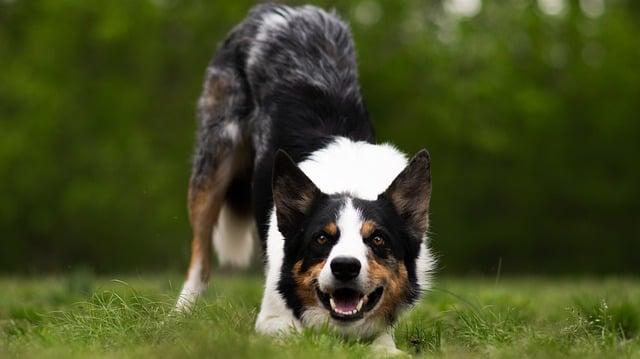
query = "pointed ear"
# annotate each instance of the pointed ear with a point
(293, 194)
(410, 193)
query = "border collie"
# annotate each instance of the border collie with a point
(286, 152)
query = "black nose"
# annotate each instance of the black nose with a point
(345, 268)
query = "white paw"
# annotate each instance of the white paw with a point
(385, 346)
(188, 296)
(277, 325)
(388, 351)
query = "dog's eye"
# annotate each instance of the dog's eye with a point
(377, 240)
(322, 239)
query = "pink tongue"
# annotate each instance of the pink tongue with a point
(346, 304)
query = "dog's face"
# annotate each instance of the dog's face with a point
(351, 262)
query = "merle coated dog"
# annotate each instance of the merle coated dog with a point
(286, 152)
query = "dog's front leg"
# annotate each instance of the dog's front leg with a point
(274, 317)
(385, 345)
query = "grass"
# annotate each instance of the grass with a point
(82, 316)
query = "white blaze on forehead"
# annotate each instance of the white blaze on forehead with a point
(361, 169)
(350, 244)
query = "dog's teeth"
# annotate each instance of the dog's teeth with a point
(354, 311)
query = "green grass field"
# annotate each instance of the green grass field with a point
(83, 316)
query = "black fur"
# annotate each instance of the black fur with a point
(293, 193)
(410, 193)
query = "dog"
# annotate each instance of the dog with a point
(286, 153)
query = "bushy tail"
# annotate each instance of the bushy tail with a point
(233, 239)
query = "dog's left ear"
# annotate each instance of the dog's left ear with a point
(410, 193)
(293, 194)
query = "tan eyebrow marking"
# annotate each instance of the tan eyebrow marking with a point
(367, 229)
(331, 228)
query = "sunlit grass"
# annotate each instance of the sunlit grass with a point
(79, 316)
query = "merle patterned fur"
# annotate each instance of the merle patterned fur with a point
(293, 92)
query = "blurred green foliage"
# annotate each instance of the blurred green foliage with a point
(532, 120)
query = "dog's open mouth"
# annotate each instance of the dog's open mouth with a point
(348, 304)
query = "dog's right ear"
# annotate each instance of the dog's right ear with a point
(410, 193)
(293, 194)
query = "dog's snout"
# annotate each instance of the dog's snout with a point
(345, 268)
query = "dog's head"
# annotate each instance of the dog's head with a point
(349, 262)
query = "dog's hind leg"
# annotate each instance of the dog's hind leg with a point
(222, 154)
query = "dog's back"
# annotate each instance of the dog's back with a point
(285, 78)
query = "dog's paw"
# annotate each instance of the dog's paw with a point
(277, 325)
(186, 302)
(188, 296)
(384, 346)
(386, 352)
